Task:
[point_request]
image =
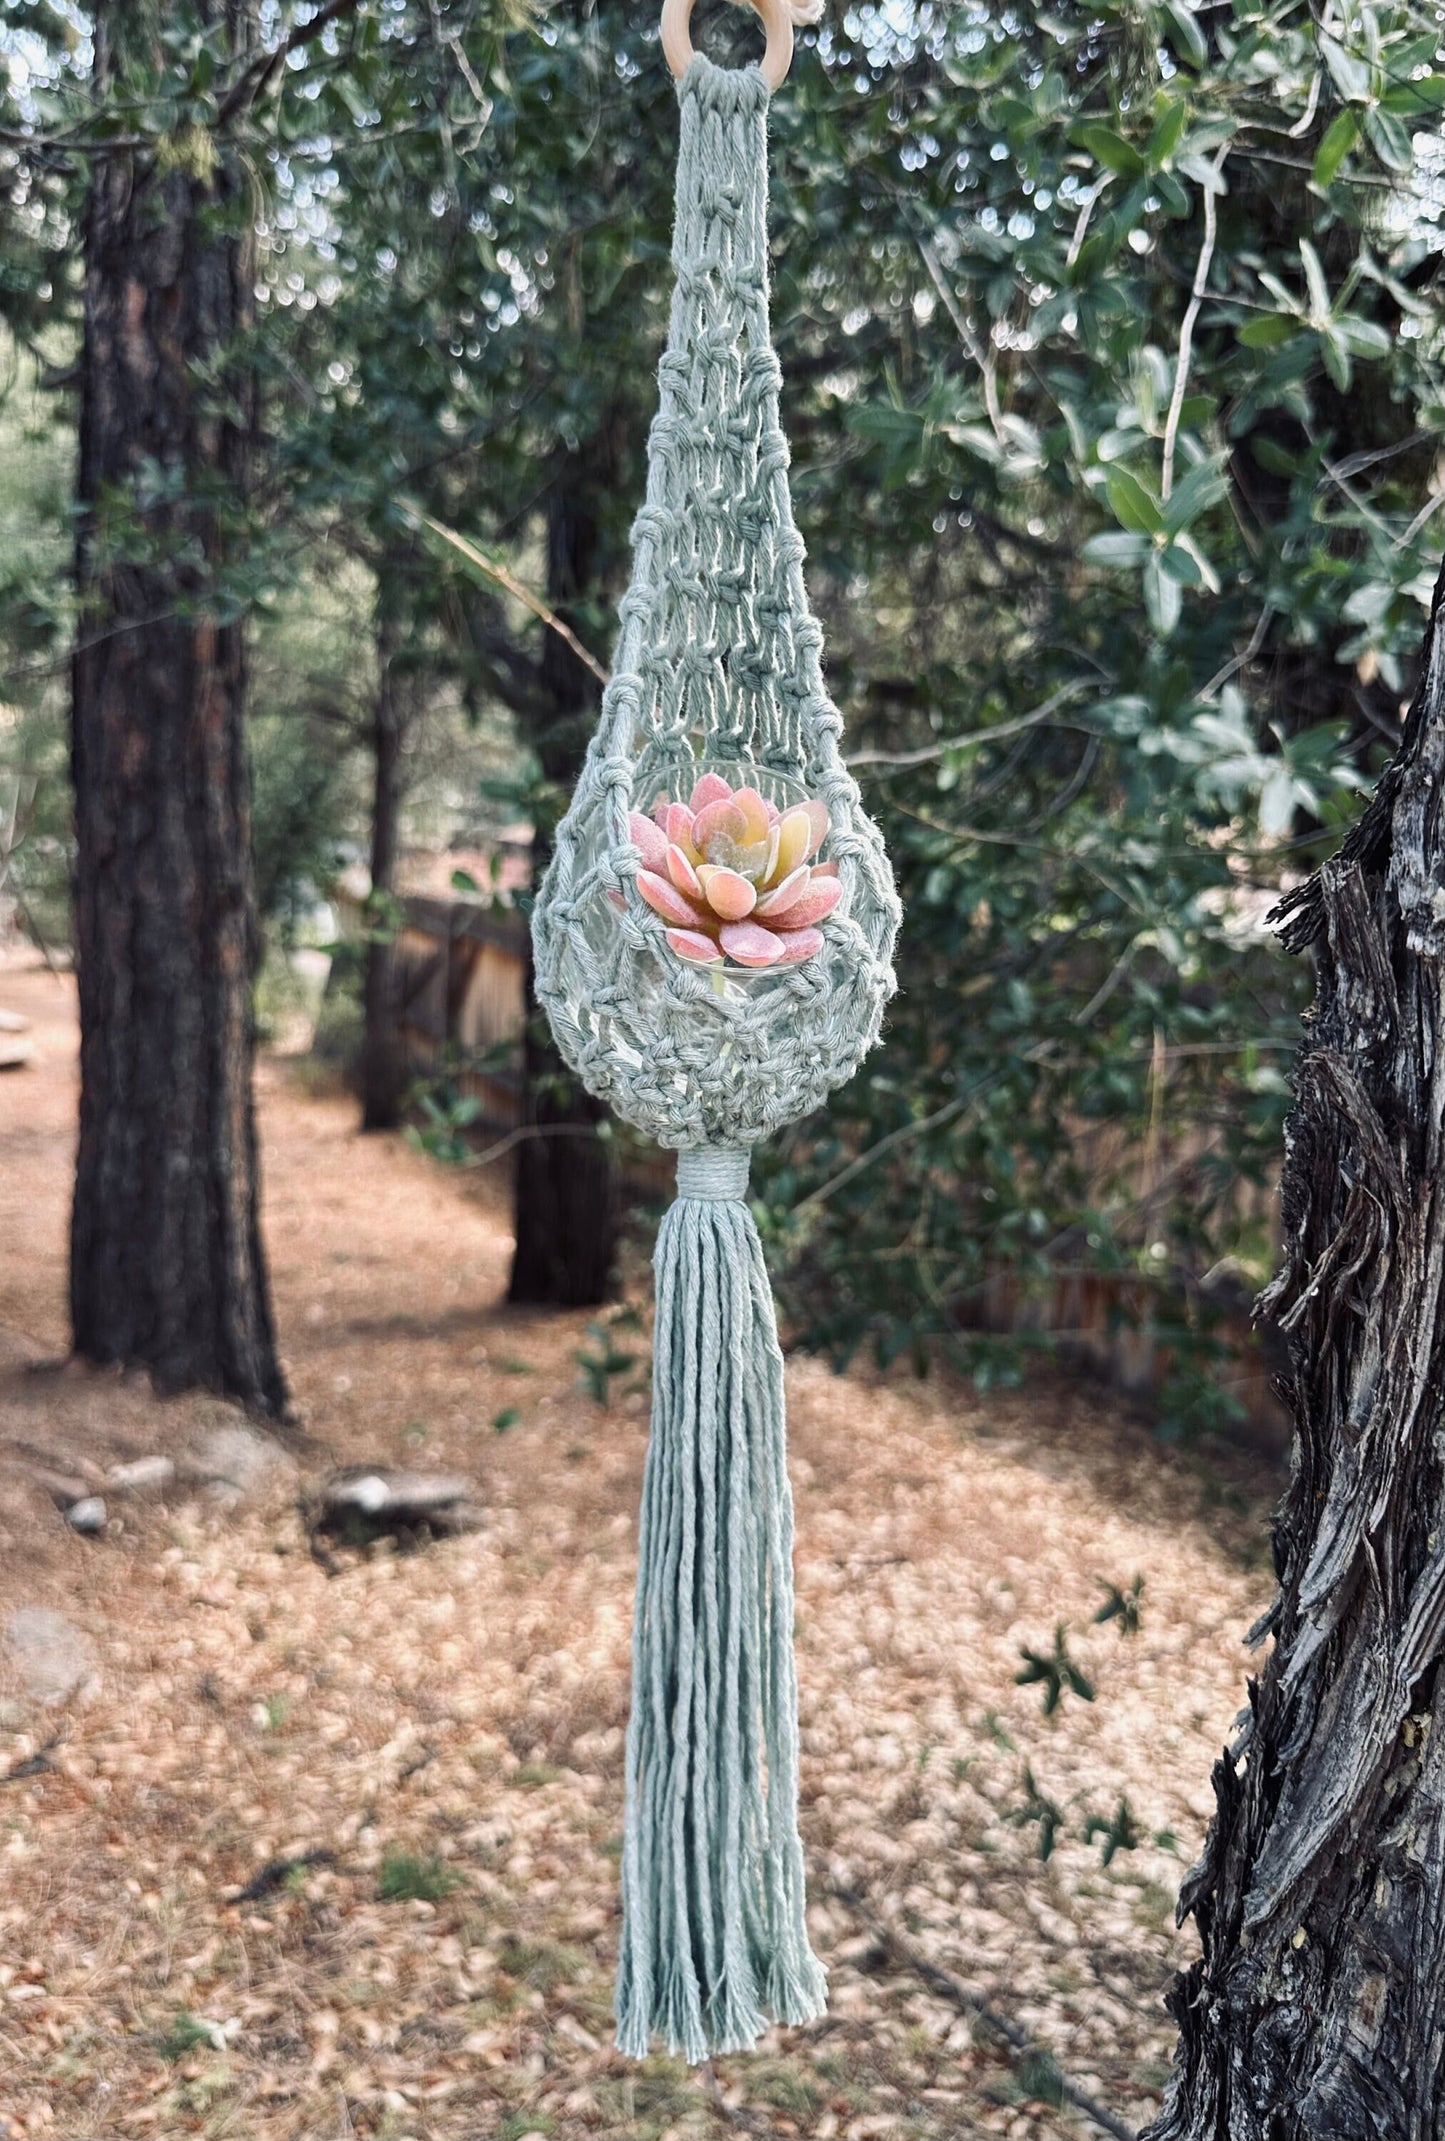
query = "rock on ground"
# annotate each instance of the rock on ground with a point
(51, 1656)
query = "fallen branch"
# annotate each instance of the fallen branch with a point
(958, 1995)
(35, 1765)
(275, 1871)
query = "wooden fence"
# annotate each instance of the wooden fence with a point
(460, 971)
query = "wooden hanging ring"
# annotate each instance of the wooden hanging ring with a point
(777, 21)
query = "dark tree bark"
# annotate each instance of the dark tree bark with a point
(1318, 2008)
(383, 1065)
(167, 1270)
(566, 1192)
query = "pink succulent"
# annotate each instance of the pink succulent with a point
(729, 872)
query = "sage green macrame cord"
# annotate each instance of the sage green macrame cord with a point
(714, 1940)
(718, 657)
(719, 662)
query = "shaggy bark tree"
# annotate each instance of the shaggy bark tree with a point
(565, 1200)
(167, 1270)
(1317, 2010)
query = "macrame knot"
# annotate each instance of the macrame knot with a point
(727, 91)
(713, 1173)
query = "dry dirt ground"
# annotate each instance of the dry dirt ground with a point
(434, 1738)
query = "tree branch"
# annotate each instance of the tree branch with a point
(1191, 314)
(922, 756)
(259, 74)
(481, 563)
(944, 1983)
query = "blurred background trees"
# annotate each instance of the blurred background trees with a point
(1111, 349)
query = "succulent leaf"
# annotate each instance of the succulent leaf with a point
(712, 788)
(799, 944)
(727, 892)
(750, 945)
(692, 945)
(794, 832)
(819, 899)
(679, 828)
(646, 835)
(681, 871)
(787, 894)
(754, 810)
(662, 895)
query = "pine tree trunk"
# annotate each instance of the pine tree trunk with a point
(1318, 2008)
(383, 1065)
(167, 1270)
(566, 1193)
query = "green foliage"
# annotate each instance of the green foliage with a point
(543, 1964)
(1037, 2077)
(1119, 1833)
(1122, 606)
(336, 1039)
(186, 2033)
(1054, 1671)
(1122, 1606)
(406, 1878)
(35, 622)
(1113, 446)
(604, 1361)
(447, 1114)
(1037, 1807)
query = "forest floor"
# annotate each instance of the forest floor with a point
(290, 1854)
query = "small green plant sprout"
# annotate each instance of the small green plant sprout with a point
(602, 1363)
(1054, 1671)
(383, 916)
(186, 2033)
(1035, 1806)
(1037, 2077)
(996, 1732)
(446, 1117)
(1121, 1606)
(1120, 1833)
(468, 881)
(405, 1878)
(507, 1417)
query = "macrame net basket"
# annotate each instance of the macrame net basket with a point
(717, 670)
(718, 667)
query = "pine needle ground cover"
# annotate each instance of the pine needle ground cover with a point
(335, 1854)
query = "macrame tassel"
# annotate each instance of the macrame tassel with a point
(714, 1941)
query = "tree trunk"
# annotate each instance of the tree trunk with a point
(1318, 2008)
(383, 1065)
(167, 1270)
(566, 1193)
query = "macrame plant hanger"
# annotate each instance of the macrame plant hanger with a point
(713, 944)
